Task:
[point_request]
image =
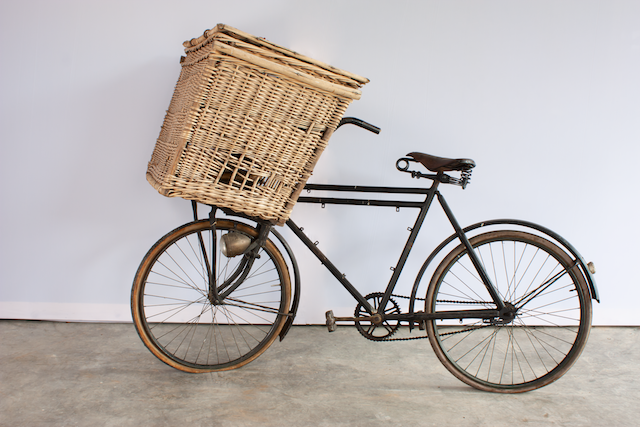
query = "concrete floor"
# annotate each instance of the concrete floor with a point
(81, 374)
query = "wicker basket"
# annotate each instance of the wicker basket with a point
(247, 123)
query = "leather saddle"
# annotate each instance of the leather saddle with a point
(442, 164)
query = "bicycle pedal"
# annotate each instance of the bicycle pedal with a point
(331, 321)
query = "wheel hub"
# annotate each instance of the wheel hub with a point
(507, 314)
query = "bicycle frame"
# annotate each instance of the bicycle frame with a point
(424, 206)
(411, 316)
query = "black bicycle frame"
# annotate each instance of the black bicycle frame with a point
(424, 206)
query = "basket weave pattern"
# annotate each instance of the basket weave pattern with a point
(242, 136)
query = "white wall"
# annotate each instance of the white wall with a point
(544, 95)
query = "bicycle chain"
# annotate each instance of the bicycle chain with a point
(403, 339)
(443, 300)
(426, 336)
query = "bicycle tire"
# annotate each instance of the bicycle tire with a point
(550, 327)
(175, 316)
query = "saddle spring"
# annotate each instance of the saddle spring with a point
(402, 165)
(465, 178)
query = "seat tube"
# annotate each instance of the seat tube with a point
(472, 254)
(397, 270)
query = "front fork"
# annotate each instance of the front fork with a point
(242, 271)
(218, 293)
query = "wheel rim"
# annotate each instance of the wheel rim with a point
(527, 349)
(184, 326)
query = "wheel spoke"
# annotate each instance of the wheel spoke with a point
(526, 350)
(173, 310)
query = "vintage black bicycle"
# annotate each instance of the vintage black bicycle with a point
(507, 309)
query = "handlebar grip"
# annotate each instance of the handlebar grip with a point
(358, 122)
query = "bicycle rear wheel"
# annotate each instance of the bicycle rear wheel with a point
(183, 325)
(550, 321)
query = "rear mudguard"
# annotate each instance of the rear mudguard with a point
(593, 290)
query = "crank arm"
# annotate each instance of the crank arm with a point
(376, 319)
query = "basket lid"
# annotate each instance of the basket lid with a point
(209, 35)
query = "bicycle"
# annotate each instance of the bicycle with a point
(506, 310)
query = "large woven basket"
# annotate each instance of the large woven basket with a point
(247, 123)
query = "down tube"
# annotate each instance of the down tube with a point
(332, 268)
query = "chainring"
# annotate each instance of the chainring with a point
(370, 330)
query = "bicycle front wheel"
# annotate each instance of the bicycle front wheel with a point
(186, 327)
(548, 324)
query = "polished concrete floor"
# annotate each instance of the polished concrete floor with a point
(81, 374)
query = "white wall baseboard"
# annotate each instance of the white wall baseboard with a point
(65, 312)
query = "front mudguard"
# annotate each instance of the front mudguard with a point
(295, 298)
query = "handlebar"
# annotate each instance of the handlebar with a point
(358, 122)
